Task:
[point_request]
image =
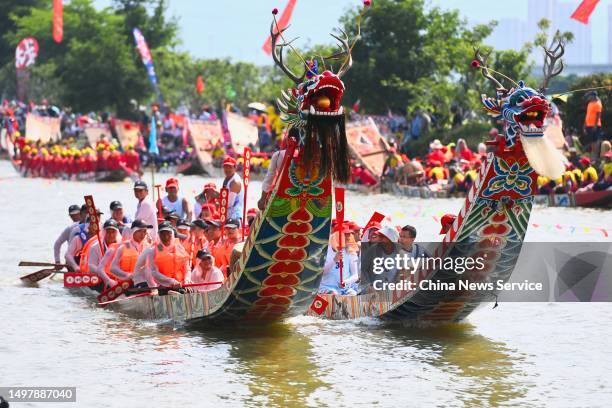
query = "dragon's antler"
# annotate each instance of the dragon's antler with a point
(552, 56)
(482, 59)
(277, 54)
(345, 52)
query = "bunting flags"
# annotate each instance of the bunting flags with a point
(58, 21)
(283, 22)
(147, 60)
(584, 11)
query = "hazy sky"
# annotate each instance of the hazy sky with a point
(238, 28)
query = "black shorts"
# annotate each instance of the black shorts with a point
(592, 134)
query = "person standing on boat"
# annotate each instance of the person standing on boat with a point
(205, 271)
(119, 216)
(144, 209)
(174, 202)
(74, 211)
(126, 256)
(233, 183)
(331, 283)
(93, 261)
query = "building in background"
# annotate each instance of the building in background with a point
(509, 34)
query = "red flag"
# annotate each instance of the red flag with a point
(319, 305)
(200, 84)
(283, 22)
(584, 11)
(58, 21)
(356, 106)
(376, 218)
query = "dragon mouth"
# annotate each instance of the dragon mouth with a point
(531, 120)
(326, 98)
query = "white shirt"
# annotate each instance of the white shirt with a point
(276, 161)
(214, 275)
(63, 237)
(74, 247)
(141, 270)
(97, 262)
(177, 206)
(146, 212)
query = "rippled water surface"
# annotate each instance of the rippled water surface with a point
(535, 355)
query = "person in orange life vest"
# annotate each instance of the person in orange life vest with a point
(204, 271)
(183, 233)
(167, 260)
(222, 250)
(213, 235)
(447, 221)
(198, 235)
(93, 261)
(127, 254)
(80, 238)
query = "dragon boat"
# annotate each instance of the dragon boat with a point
(275, 273)
(492, 222)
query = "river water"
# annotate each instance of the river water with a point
(531, 354)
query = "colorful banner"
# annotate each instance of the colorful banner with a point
(153, 149)
(367, 145)
(147, 60)
(246, 175)
(42, 128)
(128, 132)
(58, 21)
(283, 22)
(26, 53)
(96, 131)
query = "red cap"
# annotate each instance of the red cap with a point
(252, 211)
(585, 161)
(446, 221)
(210, 186)
(172, 182)
(210, 206)
(229, 161)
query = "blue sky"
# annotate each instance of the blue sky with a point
(238, 28)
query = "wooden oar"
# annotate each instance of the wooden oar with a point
(32, 263)
(120, 288)
(38, 275)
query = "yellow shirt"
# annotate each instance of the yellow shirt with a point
(589, 175)
(607, 168)
(542, 181)
(437, 173)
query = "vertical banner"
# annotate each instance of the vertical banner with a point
(58, 21)
(153, 149)
(283, 22)
(339, 194)
(94, 219)
(147, 60)
(224, 195)
(25, 56)
(246, 173)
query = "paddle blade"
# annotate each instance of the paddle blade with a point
(77, 280)
(30, 263)
(114, 292)
(37, 276)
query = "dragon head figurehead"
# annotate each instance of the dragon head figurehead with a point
(314, 106)
(524, 111)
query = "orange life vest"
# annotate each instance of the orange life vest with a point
(171, 262)
(128, 259)
(222, 252)
(84, 254)
(112, 247)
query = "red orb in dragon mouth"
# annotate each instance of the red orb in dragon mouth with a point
(322, 95)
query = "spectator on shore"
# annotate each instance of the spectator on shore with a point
(592, 123)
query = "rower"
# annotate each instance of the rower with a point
(183, 233)
(93, 261)
(126, 256)
(407, 236)
(174, 202)
(198, 233)
(205, 271)
(144, 209)
(118, 215)
(232, 181)
(74, 212)
(168, 262)
(222, 250)
(208, 211)
(78, 243)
